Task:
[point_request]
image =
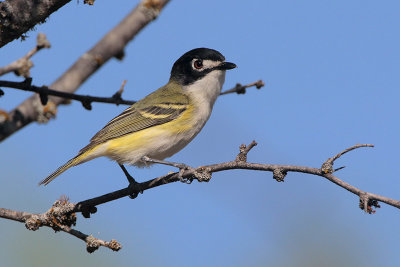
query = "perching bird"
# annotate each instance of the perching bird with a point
(165, 121)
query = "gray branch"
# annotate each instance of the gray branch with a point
(60, 218)
(22, 66)
(62, 214)
(111, 45)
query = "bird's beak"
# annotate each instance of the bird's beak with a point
(226, 66)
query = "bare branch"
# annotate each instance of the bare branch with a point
(86, 100)
(241, 89)
(19, 16)
(244, 150)
(62, 214)
(22, 66)
(60, 218)
(111, 45)
(327, 166)
(279, 173)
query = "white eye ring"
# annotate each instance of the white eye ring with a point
(197, 64)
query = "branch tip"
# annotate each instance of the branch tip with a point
(244, 150)
(241, 89)
(93, 244)
(259, 84)
(42, 42)
(327, 166)
(338, 169)
(22, 66)
(85, 100)
(114, 245)
(118, 95)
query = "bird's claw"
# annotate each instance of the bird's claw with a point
(182, 168)
(135, 188)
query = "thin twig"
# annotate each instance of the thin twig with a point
(86, 100)
(241, 89)
(327, 166)
(244, 150)
(22, 66)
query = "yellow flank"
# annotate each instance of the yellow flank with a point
(140, 139)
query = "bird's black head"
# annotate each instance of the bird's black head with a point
(197, 63)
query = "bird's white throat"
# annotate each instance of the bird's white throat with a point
(206, 90)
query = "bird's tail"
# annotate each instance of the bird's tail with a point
(72, 162)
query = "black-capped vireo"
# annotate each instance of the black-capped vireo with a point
(163, 122)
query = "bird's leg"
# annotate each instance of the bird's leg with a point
(182, 167)
(164, 162)
(131, 180)
(132, 183)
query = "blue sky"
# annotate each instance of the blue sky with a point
(331, 73)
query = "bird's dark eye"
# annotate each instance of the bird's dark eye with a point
(198, 64)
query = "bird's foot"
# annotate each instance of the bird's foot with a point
(182, 168)
(133, 186)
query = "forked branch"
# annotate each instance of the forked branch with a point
(112, 45)
(60, 218)
(22, 66)
(62, 215)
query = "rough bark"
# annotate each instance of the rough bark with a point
(19, 16)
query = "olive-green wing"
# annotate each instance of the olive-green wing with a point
(143, 114)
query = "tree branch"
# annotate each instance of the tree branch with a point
(62, 214)
(60, 218)
(111, 45)
(203, 174)
(22, 66)
(19, 16)
(86, 100)
(327, 166)
(241, 89)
